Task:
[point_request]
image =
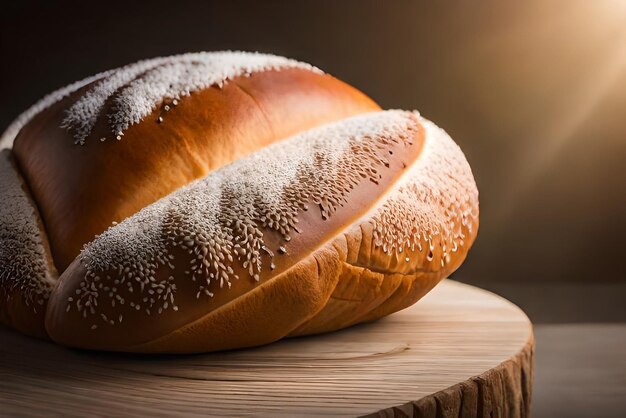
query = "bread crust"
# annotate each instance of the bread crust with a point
(333, 275)
(274, 202)
(69, 327)
(81, 190)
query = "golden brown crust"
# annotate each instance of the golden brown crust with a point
(70, 327)
(403, 220)
(333, 276)
(80, 190)
(325, 293)
(321, 293)
(260, 316)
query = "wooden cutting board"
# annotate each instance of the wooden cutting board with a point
(460, 351)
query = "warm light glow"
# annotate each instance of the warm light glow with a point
(600, 76)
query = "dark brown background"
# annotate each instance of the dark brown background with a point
(534, 92)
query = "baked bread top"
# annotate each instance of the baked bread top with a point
(225, 235)
(121, 140)
(223, 200)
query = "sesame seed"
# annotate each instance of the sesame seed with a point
(319, 167)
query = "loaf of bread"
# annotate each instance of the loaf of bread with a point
(213, 201)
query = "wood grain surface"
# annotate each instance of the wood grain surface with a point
(460, 351)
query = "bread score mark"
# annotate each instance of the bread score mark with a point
(437, 186)
(434, 204)
(242, 217)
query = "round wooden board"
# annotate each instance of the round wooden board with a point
(460, 351)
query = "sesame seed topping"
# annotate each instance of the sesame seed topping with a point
(221, 220)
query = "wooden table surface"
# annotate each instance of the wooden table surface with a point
(460, 351)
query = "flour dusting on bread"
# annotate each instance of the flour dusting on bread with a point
(220, 219)
(22, 252)
(138, 89)
(8, 136)
(435, 203)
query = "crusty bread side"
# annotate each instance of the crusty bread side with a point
(81, 190)
(27, 274)
(346, 233)
(418, 234)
